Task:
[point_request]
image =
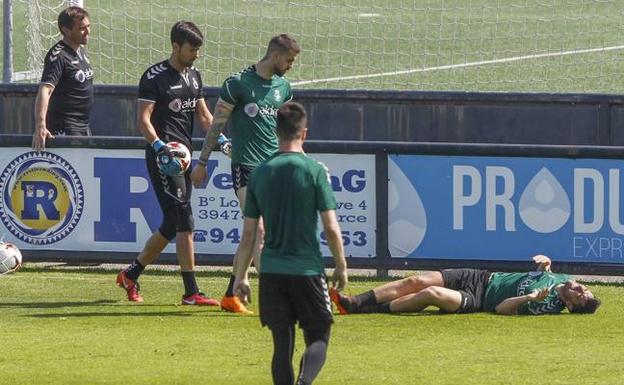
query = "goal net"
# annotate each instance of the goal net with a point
(448, 45)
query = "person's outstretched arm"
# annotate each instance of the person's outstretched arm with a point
(543, 263)
(511, 305)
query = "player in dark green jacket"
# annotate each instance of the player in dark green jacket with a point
(290, 191)
(250, 100)
(472, 290)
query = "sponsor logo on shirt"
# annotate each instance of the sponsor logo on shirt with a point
(277, 95)
(268, 111)
(178, 105)
(81, 75)
(195, 84)
(251, 109)
(525, 283)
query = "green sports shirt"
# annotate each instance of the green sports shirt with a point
(288, 191)
(507, 285)
(256, 101)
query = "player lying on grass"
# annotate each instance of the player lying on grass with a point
(472, 290)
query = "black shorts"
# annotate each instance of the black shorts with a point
(67, 126)
(240, 175)
(174, 197)
(286, 299)
(471, 283)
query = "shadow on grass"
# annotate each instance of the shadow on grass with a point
(182, 313)
(113, 314)
(69, 269)
(108, 303)
(424, 313)
(225, 272)
(54, 305)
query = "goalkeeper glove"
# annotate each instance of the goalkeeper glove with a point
(225, 144)
(166, 158)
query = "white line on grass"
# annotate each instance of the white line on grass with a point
(462, 65)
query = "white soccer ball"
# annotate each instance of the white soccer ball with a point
(179, 163)
(10, 258)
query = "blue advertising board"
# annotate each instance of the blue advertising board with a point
(102, 201)
(505, 208)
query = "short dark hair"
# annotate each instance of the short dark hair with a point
(590, 307)
(186, 31)
(291, 118)
(283, 43)
(68, 15)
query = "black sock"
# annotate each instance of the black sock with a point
(365, 299)
(230, 289)
(283, 349)
(314, 356)
(378, 308)
(134, 270)
(190, 285)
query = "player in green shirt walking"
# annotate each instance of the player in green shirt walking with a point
(289, 191)
(472, 290)
(250, 98)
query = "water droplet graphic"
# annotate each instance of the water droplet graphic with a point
(544, 193)
(544, 205)
(407, 219)
(393, 196)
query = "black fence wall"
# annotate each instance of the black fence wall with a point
(455, 117)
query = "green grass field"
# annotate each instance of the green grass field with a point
(62, 326)
(373, 38)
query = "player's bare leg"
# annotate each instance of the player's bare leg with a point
(154, 245)
(230, 302)
(414, 284)
(376, 300)
(241, 194)
(185, 250)
(441, 297)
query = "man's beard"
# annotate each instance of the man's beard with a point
(279, 72)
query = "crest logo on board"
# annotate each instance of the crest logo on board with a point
(42, 198)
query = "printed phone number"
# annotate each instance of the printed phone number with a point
(218, 235)
(234, 215)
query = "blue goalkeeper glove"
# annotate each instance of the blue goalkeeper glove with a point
(166, 158)
(225, 144)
